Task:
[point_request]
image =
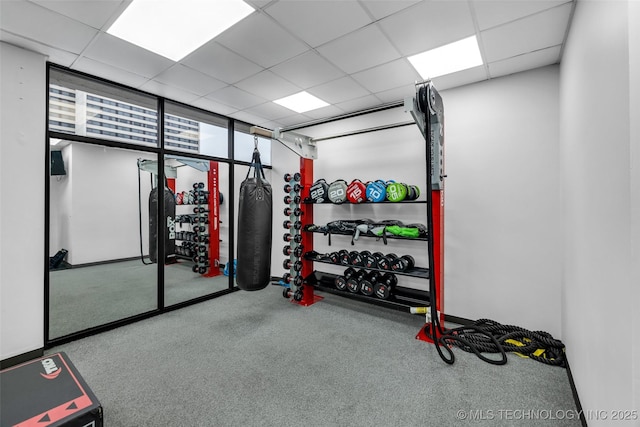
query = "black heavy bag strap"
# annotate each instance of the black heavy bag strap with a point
(254, 229)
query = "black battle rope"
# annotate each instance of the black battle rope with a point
(140, 217)
(488, 336)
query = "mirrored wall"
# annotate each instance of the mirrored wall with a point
(140, 205)
(98, 275)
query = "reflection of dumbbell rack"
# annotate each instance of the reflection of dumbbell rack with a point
(195, 240)
(293, 249)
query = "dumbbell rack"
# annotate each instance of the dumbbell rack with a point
(211, 225)
(432, 130)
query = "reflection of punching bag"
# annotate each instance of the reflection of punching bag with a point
(254, 230)
(169, 220)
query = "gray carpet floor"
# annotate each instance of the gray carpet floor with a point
(84, 297)
(255, 359)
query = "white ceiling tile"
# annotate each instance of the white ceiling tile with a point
(95, 13)
(190, 80)
(535, 32)
(248, 117)
(490, 13)
(397, 94)
(221, 63)
(45, 26)
(359, 103)
(460, 78)
(307, 70)
(382, 8)
(213, 106)
(271, 110)
(428, 25)
(54, 55)
(324, 112)
(339, 90)
(119, 53)
(388, 76)
(234, 97)
(259, 38)
(293, 120)
(109, 72)
(268, 86)
(319, 21)
(259, 4)
(360, 50)
(528, 61)
(169, 92)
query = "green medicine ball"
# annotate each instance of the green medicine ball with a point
(396, 192)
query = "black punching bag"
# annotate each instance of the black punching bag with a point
(254, 230)
(168, 222)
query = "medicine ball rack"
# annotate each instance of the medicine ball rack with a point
(432, 129)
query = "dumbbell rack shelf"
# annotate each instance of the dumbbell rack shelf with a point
(333, 233)
(420, 272)
(402, 299)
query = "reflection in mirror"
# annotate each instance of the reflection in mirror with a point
(200, 242)
(97, 274)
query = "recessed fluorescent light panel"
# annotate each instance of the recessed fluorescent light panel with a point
(301, 102)
(447, 59)
(175, 28)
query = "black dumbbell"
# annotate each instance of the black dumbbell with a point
(289, 199)
(367, 284)
(288, 224)
(371, 260)
(341, 281)
(357, 258)
(385, 285)
(297, 212)
(199, 228)
(344, 257)
(287, 211)
(287, 264)
(353, 283)
(295, 187)
(334, 257)
(288, 250)
(404, 263)
(352, 258)
(197, 185)
(384, 263)
(287, 237)
(296, 177)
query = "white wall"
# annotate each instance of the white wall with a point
(634, 138)
(22, 145)
(598, 288)
(502, 243)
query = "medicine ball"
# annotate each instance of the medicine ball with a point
(396, 192)
(413, 192)
(356, 191)
(376, 191)
(319, 191)
(338, 191)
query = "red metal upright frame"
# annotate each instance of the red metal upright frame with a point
(306, 180)
(214, 220)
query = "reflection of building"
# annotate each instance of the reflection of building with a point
(82, 113)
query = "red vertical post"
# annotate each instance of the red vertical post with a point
(438, 246)
(171, 183)
(306, 180)
(214, 220)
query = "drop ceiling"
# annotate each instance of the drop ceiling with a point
(350, 53)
